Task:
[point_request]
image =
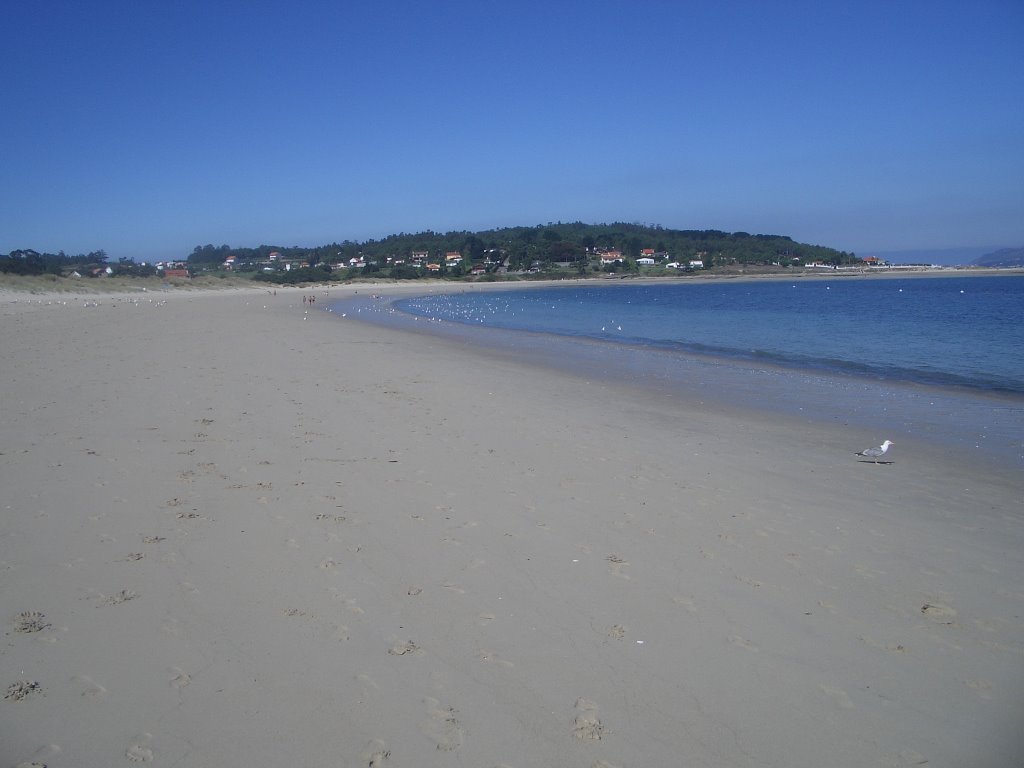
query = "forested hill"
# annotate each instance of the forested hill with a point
(511, 249)
(522, 247)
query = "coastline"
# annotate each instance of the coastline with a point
(13, 287)
(241, 531)
(979, 426)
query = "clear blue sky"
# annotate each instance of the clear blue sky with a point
(147, 128)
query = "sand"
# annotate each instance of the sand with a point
(236, 531)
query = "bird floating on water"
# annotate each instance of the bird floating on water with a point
(876, 453)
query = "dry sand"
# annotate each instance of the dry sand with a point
(237, 532)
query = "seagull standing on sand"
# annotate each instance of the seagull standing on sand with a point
(876, 453)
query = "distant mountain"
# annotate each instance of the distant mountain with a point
(1005, 257)
(939, 256)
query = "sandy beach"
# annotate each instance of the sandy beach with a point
(237, 531)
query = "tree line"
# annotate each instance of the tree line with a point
(516, 249)
(520, 248)
(30, 262)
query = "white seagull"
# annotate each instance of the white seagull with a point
(876, 453)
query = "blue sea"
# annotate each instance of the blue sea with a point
(942, 355)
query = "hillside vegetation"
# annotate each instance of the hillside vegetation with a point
(575, 245)
(574, 248)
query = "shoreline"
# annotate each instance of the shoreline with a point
(964, 405)
(14, 287)
(979, 425)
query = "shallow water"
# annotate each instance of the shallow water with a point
(974, 404)
(964, 332)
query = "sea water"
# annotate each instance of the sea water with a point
(963, 332)
(942, 356)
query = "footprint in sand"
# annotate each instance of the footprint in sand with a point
(728, 538)
(351, 605)
(490, 657)
(180, 678)
(839, 697)
(172, 627)
(687, 603)
(442, 727)
(367, 686)
(617, 564)
(405, 649)
(981, 687)
(943, 614)
(587, 725)
(121, 597)
(22, 689)
(749, 581)
(867, 572)
(330, 518)
(375, 754)
(139, 752)
(41, 755)
(742, 643)
(893, 647)
(29, 622)
(905, 758)
(92, 690)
